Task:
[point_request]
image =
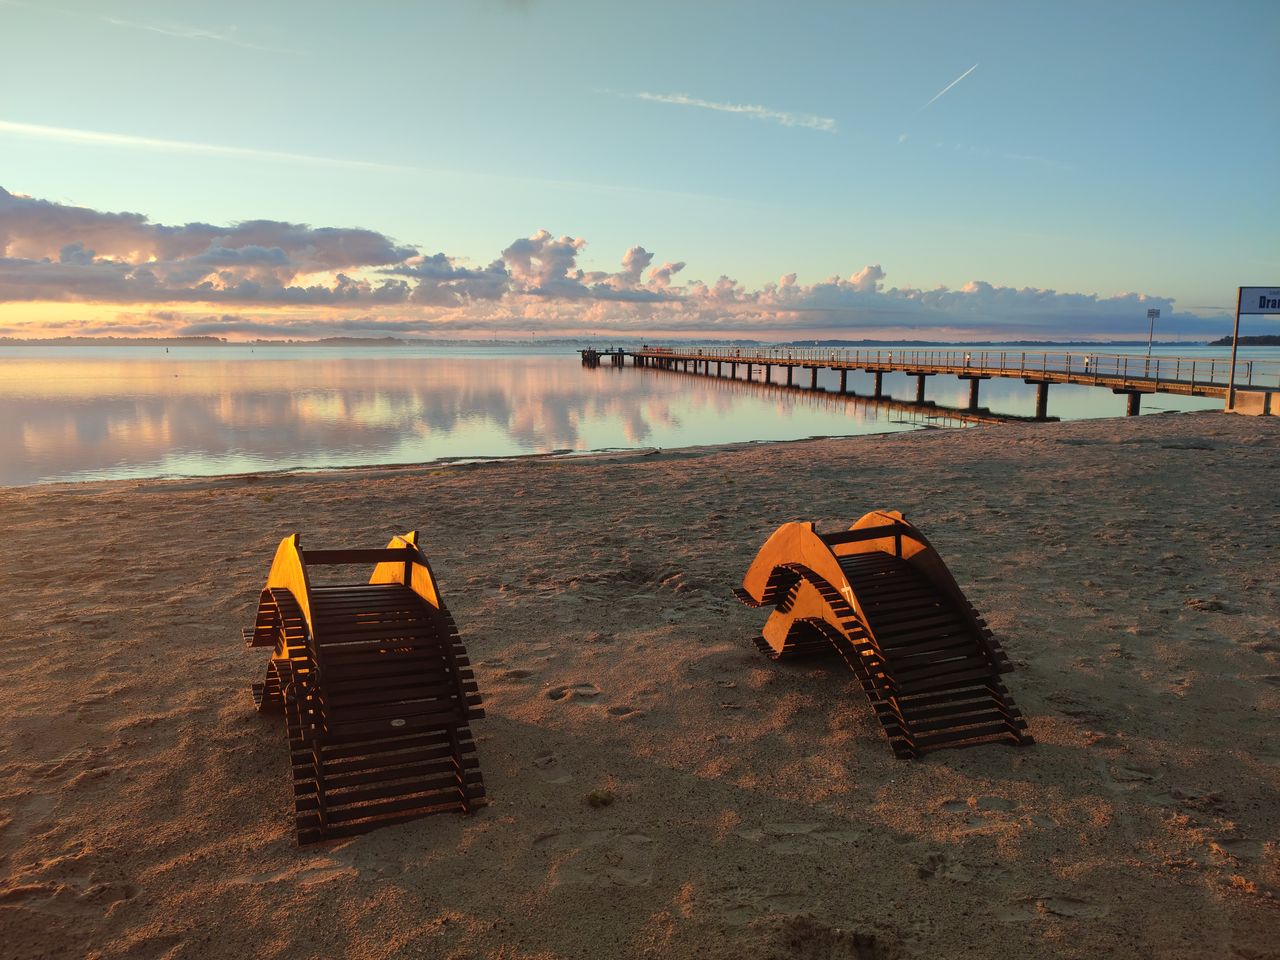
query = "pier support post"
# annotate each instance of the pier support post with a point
(844, 381)
(733, 371)
(768, 373)
(973, 390)
(920, 379)
(718, 372)
(879, 385)
(790, 371)
(750, 372)
(1133, 402)
(1042, 398)
(813, 378)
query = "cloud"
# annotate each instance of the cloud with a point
(806, 120)
(634, 262)
(545, 266)
(263, 276)
(56, 251)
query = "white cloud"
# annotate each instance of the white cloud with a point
(52, 252)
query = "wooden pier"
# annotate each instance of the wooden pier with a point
(925, 414)
(1125, 375)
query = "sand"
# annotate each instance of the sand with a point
(1129, 567)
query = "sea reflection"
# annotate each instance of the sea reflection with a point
(116, 414)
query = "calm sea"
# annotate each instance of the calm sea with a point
(92, 413)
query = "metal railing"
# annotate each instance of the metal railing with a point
(1078, 367)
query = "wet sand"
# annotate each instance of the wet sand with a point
(1128, 566)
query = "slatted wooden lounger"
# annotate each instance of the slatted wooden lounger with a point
(880, 596)
(375, 687)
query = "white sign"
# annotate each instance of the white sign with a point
(1260, 299)
(1153, 313)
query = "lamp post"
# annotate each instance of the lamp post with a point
(1153, 314)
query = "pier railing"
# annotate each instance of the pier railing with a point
(1077, 367)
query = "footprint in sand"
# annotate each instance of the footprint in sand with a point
(978, 804)
(323, 871)
(621, 711)
(784, 838)
(547, 763)
(77, 892)
(1058, 905)
(1135, 772)
(941, 866)
(993, 803)
(805, 935)
(1239, 848)
(574, 691)
(603, 858)
(512, 675)
(741, 905)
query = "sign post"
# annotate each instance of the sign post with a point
(1152, 316)
(1248, 300)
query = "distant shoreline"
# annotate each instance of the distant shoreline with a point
(1266, 340)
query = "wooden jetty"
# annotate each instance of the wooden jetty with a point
(375, 688)
(927, 413)
(880, 597)
(1129, 376)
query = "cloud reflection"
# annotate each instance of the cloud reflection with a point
(120, 413)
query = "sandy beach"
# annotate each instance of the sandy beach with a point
(1129, 567)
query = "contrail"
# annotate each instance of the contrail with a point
(68, 135)
(952, 84)
(825, 124)
(32, 131)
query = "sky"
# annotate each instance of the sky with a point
(923, 170)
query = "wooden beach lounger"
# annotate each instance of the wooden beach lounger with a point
(375, 687)
(880, 596)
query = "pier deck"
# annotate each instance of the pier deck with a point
(1128, 375)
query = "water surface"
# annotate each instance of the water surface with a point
(90, 413)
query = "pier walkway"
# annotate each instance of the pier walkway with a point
(1127, 375)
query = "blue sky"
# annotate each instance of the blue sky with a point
(1089, 149)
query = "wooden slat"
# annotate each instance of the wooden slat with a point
(867, 533)
(313, 557)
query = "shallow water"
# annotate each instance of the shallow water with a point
(70, 413)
